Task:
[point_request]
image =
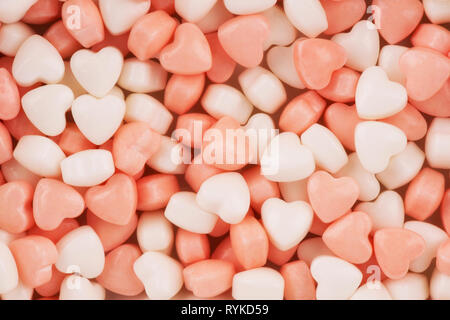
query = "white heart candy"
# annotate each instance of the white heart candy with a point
(21, 292)
(433, 237)
(154, 232)
(13, 11)
(12, 36)
(372, 291)
(280, 61)
(440, 285)
(161, 275)
(287, 223)
(403, 167)
(142, 76)
(37, 61)
(282, 32)
(46, 107)
(184, 212)
(286, 159)
(336, 279)
(362, 45)
(40, 155)
(171, 157)
(225, 194)
(377, 97)
(376, 142)
(413, 286)
(258, 284)
(328, 151)
(87, 168)
(9, 278)
(437, 143)
(260, 130)
(81, 251)
(308, 16)
(438, 11)
(97, 72)
(193, 10)
(389, 61)
(240, 7)
(75, 287)
(311, 248)
(369, 187)
(120, 15)
(98, 119)
(385, 212)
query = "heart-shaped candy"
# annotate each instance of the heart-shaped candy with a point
(377, 97)
(97, 72)
(46, 107)
(348, 237)
(336, 279)
(243, 39)
(397, 19)
(114, 202)
(9, 278)
(13, 11)
(98, 119)
(9, 96)
(287, 223)
(395, 248)
(308, 16)
(437, 11)
(286, 159)
(376, 142)
(362, 45)
(53, 201)
(193, 10)
(342, 14)
(426, 72)
(75, 287)
(120, 15)
(316, 60)
(342, 194)
(389, 60)
(281, 62)
(189, 53)
(37, 61)
(282, 32)
(386, 211)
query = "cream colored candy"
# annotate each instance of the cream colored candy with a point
(286, 223)
(286, 159)
(376, 142)
(433, 237)
(154, 232)
(21, 292)
(263, 89)
(97, 72)
(440, 285)
(328, 151)
(170, 158)
(161, 275)
(40, 155)
(221, 100)
(9, 278)
(145, 108)
(80, 251)
(193, 10)
(87, 168)
(377, 97)
(402, 167)
(6, 237)
(311, 248)
(70, 81)
(37, 61)
(281, 62)
(98, 119)
(260, 130)
(308, 16)
(215, 17)
(240, 7)
(386, 211)
(438, 11)
(46, 107)
(294, 190)
(142, 76)
(413, 286)
(282, 32)
(336, 279)
(13, 11)
(369, 187)
(120, 15)
(75, 287)
(362, 45)
(389, 61)
(372, 291)
(437, 145)
(258, 284)
(184, 212)
(12, 36)
(225, 194)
